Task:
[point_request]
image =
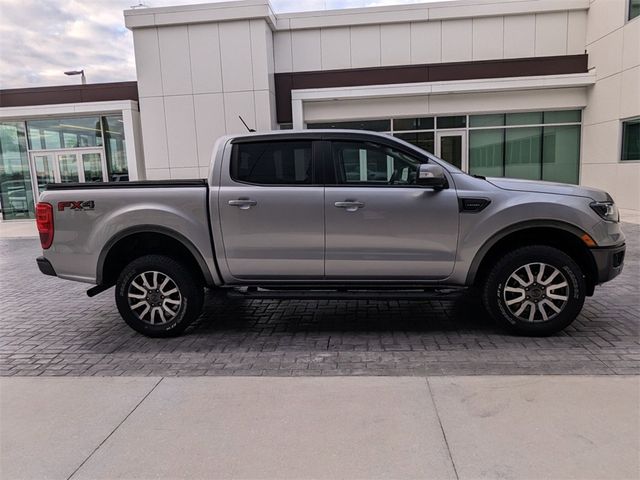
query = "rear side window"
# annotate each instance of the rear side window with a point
(272, 163)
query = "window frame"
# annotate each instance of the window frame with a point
(621, 138)
(316, 173)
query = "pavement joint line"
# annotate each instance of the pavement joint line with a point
(114, 430)
(444, 435)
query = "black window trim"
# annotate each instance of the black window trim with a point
(316, 179)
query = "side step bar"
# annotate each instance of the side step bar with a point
(421, 294)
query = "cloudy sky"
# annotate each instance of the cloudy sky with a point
(39, 39)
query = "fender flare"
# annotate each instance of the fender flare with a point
(516, 227)
(204, 268)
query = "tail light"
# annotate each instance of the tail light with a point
(44, 221)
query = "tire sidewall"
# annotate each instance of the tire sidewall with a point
(185, 283)
(494, 300)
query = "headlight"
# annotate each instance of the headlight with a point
(607, 210)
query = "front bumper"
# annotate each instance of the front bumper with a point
(45, 266)
(609, 261)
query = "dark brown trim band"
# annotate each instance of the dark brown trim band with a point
(517, 67)
(93, 92)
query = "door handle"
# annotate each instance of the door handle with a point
(350, 205)
(242, 203)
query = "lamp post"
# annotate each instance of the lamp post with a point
(77, 72)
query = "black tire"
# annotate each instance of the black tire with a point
(502, 293)
(177, 317)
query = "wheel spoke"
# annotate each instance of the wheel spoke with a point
(138, 305)
(550, 304)
(137, 295)
(139, 287)
(170, 300)
(545, 317)
(540, 275)
(170, 292)
(556, 286)
(550, 278)
(143, 277)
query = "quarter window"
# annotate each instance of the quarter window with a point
(373, 164)
(272, 163)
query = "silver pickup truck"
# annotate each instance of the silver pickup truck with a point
(332, 214)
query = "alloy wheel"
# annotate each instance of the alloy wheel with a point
(154, 297)
(536, 292)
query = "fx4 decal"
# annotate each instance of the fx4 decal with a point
(76, 205)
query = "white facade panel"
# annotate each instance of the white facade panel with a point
(210, 125)
(395, 44)
(488, 38)
(365, 46)
(305, 45)
(235, 104)
(154, 132)
(631, 44)
(174, 60)
(551, 34)
(282, 51)
(519, 36)
(204, 54)
(457, 40)
(576, 32)
(335, 45)
(147, 52)
(260, 56)
(235, 54)
(630, 93)
(605, 55)
(426, 42)
(181, 131)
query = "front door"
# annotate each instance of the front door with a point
(271, 211)
(451, 146)
(380, 224)
(64, 166)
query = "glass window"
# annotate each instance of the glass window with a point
(423, 140)
(491, 120)
(459, 121)
(370, 163)
(563, 116)
(92, 167)
(272, 163)
(373, 125)
(526, 118)
(115, 148)
(486, 152)
(634, 9)
(561, 154)
(523, 152)
(68, 165)
(423, 123)
(15, 180)
(64, 133)
(631, 139)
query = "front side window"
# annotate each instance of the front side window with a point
(368, 163)
(272, 163)
(631, 140)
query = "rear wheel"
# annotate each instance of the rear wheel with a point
(535, 290)
(158, 296)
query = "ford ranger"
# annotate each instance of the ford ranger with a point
(332, 214)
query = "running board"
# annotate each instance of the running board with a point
(424, 294)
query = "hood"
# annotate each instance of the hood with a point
(549, 187)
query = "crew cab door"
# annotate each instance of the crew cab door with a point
(271, 211)
(381, 225)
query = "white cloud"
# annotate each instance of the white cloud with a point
(40, 39)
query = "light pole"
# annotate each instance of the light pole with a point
(77, 72)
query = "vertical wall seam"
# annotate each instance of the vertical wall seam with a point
(164, 108)
(193, 100)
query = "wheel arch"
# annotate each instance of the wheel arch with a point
(134, 242)
(561, 235)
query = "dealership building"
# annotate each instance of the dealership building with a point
(535, 89)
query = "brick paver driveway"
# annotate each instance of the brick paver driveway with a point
(50, 327)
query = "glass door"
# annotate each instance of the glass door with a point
(64, 166)
(451, 146)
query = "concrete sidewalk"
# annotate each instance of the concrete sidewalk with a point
(357, 427)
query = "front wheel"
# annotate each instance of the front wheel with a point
(535, 290)
(158, 296)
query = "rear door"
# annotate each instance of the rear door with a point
(271, 211)
(381, 225)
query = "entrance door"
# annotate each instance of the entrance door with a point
(65, 166)
(451, 146)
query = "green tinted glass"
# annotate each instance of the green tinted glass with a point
(523, 152)
(458, 121)
(424, 140)
(423, 123)
(115, 148)
(491, 120)
(631, 139)
(564, 116)
(561, 154)
(64, 133)
(486, 152)
(525, 118)
(15, 179)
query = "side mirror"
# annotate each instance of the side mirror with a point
(430, 175)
